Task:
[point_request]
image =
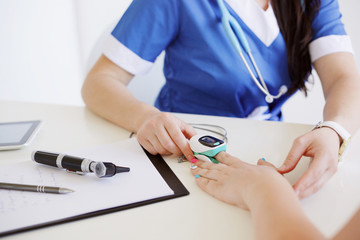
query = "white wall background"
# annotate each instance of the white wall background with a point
(45, 48)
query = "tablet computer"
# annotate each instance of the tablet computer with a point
(14, 135)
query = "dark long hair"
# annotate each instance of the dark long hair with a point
(295, 19)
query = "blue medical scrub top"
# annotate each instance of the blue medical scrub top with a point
(204, 74)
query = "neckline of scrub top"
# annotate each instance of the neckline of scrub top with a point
(261, 22)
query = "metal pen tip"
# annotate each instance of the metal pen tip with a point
(65, 190)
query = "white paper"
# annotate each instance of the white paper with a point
(20, 209)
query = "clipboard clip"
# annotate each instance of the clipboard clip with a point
(74, 172)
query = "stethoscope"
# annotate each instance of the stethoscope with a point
(235, 34)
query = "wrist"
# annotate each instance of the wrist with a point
(343, 134)
(268, 187)
(146, 112)
(340, 130)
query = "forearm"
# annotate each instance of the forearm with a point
(342, 103)
(341, 85)
(277, 214)
(111, 99)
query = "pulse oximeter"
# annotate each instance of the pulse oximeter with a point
(205, 147)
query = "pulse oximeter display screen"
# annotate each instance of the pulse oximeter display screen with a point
(210, 141)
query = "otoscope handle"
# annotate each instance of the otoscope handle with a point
(77, 164)
(58, 160)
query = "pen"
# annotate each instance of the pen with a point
(34, 188)
(77, 164)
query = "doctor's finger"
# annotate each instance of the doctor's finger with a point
(152, 144)
(319, 171)
(296, 152)
(158, 146)
(167, 142)
(148, 146)
(316, 186)
(187, 130)
(179, 139)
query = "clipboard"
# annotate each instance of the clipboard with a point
(161, 166)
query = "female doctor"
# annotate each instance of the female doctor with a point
(236, 58)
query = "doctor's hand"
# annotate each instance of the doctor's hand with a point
(165, 134)
(322, 146)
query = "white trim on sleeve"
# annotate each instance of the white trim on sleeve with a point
(329, 44)
(124, 57)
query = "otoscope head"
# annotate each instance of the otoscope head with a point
(107, 169)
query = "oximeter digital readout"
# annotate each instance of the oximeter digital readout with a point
(205, 147)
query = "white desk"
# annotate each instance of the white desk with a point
(197, 216)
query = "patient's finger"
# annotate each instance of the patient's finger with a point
(263, 162)
(226, 158)
(205, 173)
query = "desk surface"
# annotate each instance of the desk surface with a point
(197, 216)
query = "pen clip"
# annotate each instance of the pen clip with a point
(74, 172)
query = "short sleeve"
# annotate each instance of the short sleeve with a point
(329, 32)
(144, 31)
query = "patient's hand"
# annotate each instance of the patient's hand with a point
(238, 183)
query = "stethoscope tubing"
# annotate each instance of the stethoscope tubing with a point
(232, 27)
